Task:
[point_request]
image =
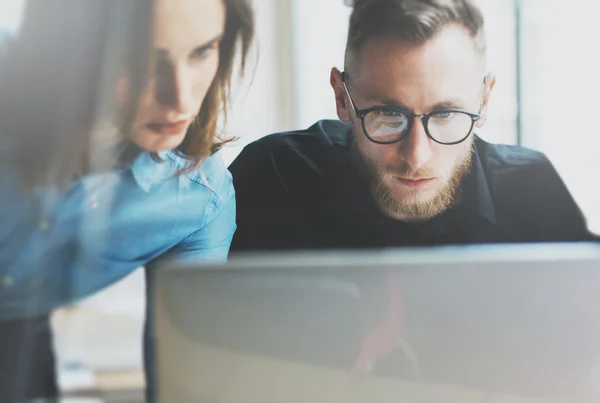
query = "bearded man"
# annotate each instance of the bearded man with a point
(403, 166)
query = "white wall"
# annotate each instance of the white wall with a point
(561, 61)
(501, 126)
(263, 102)
(318, 29)
(10, 14)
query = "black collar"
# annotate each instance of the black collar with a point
(476, 190)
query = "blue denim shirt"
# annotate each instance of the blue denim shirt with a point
(57, 247)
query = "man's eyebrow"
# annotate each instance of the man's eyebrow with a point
(387, 102)
(393, 103)
(449, 104)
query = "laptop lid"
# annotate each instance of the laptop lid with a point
(425, 325)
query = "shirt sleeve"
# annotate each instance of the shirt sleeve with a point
(212, 241)
(544, 207)
(209, 244)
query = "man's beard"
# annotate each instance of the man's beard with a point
(418, 209)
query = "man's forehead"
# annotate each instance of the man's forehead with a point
(451, 48)
(439, 70)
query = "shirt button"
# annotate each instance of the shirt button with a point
(94, 203)
(44, 225)
(7, 281)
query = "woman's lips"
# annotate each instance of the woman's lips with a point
(168, 128)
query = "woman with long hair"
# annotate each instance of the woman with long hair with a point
(109, 125)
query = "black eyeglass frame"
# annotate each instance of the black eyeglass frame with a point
(411, 118)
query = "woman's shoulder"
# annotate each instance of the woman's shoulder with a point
(207, 194)
(211, 174)
(210, 177)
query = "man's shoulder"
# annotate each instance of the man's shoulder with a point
(512, 168)
(323, 135)
(519, 173)
(510, 159)
(289, 168)
(528, 193)
(282, 182)
(290, 159)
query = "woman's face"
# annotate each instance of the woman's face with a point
(186, 59)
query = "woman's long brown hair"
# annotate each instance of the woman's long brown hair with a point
(62, 66)
(203, 138)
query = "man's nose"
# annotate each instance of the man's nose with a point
(416, 147)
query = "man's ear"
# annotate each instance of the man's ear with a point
(341, 101)
(489, 87)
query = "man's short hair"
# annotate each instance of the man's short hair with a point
(411, 21)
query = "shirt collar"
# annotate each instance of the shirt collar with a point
(150, 169)
(476, 191)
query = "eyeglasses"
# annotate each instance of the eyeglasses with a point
(387, 125)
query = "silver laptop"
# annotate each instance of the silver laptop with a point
(485, 324)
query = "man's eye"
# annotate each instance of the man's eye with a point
(445, 115)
